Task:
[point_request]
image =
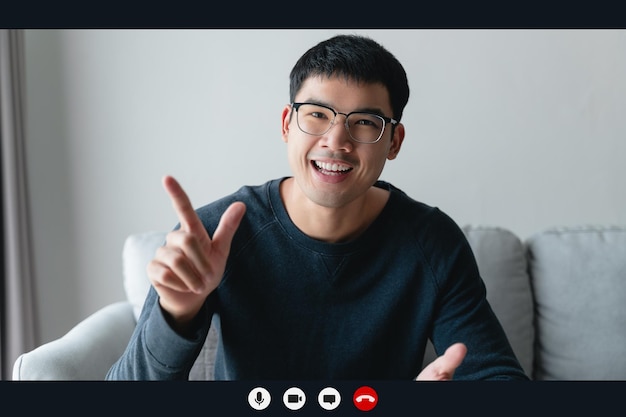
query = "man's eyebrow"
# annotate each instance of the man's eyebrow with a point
(320, 102)
(375, 110)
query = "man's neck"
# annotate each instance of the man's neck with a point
(332, 224)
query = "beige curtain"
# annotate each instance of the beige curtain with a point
(17, 316)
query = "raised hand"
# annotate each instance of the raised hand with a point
(443, 368)
(190, 265)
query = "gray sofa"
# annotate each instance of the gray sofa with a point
(560, 296)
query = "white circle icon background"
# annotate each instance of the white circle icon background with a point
(259, 398)
(329, 398)
(294, 398)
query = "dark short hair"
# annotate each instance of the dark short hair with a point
(355, 57)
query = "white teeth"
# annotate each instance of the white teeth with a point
(331, 167)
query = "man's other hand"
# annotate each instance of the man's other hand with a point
(443, 368)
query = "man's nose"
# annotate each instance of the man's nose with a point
(338, 136)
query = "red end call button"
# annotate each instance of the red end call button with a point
(365, 398)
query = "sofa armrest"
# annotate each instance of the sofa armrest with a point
(86, 352)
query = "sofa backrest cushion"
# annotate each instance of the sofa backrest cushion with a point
(502, 264)
(579, 282)
(137, 252)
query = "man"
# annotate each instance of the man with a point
(330, 273)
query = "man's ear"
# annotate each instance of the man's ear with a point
(285, 120)
(396, 141)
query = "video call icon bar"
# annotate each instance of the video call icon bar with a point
(364, 398)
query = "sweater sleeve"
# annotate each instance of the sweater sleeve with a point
(463, 313)
(155, 351)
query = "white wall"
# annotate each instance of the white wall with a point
(520, 129)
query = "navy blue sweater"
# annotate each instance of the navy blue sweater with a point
(291, 307)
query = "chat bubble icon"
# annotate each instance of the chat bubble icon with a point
(329, 398)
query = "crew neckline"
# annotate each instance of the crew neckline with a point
(319, 246)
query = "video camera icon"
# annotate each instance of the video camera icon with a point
(294, 398)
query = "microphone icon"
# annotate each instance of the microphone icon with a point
(259, 398)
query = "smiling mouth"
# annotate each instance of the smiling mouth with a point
(327, 168)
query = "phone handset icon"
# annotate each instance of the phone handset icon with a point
(365, 397)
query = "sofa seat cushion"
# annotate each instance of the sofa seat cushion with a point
(579, 282)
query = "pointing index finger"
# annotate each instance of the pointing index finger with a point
(187, 216)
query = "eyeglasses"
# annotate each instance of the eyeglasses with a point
(317, 119)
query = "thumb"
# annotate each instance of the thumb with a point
(443, 368)
(228, 225)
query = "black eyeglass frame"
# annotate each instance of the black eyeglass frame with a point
(385, 119)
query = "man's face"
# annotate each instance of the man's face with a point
(333, 170)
